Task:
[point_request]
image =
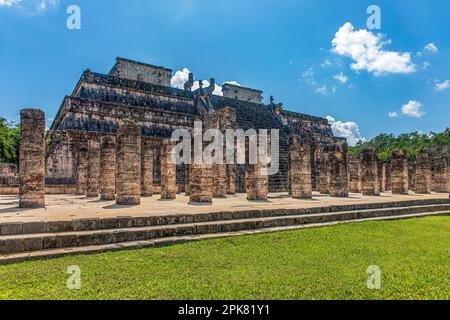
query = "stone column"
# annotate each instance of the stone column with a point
(168, 172)
(257, 182)
(231, 179)
(337, 170)
(108, 168)
(423, 174)
(32, 159)
(380, 175)
(147, 168)
(82, 160)
(383, 177)
(369, 172)
(300, 170)
(93, 169)
(354, 168)
(399, 167)
(388, 177)
(219, 180)
(440, 174)
(128, 164)
(200, 183)
(324, 178)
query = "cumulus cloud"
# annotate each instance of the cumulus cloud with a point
(413, 109)
(366, 49)
(8, 3)
(32, 5)
(322, 90)
(341, 77)
(393, 115)
(442, 86)
(182, 76)
(348, 130)
(431, 48)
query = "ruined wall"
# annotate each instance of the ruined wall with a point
(242, 93)
(138, 71)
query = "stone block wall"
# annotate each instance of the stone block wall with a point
(369, 165)
(440, 174)
(300, 170)
(138, 71)
(355, 171)
(423, 174)
(400, 172)
(337, 170)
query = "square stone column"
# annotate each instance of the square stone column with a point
(440, 174)
(355, 174)
(423, 174)
(324, 177)
(168, 172)
(399, 167)
(32, 159)
(108, 150)
(257, 182)
(337, 170)
(231, 179)
(147, 168)
(201, 183)
(93, 169)
(219, 180)
(82, 162)
(128, 164)
(383, 177)
(300, 171)
(370, 185)
(388, 177)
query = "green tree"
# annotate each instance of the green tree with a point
(9, 141)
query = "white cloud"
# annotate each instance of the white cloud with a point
(366, 49)
(443, 85)
(8, 3)
(326, 63)
(181, 77)
(413, 109)
(348, 130)
(323, 90)
(341, 77)
(431, 48)
(393, 115)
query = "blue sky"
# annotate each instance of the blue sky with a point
(392, 80)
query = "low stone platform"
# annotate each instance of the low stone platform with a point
(71, 224)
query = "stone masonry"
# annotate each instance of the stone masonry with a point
(337, 170)
(168, 172)
(128, 164)
(440, 174)
(200, 183)
(399, 172)
(82, 163)
(32, 159)
(369, 172)
(147, 168)
(423, 174)
(300, 170)
(324, 177)
(108, 168)
(93, 169)
(354, 168)
(257, 182)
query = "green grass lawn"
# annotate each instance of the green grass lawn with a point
(322, 263)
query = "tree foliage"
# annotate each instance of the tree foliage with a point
(9, 141)
(413, 143)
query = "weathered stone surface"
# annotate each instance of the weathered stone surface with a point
(337, 170)
(423, 174)
(355, 173)
(108, 150)
(219, 180)
(32, 159)
(201, 183)
(82, 163)
(231, 179)
(370, 185)
(257, 182)
(324, 177)
(440, 174)
(399, 172)
(147, 168)
(168, 172)
(300, 170)
(128, 164)
(93, 169)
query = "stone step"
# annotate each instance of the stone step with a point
(95, 249)
(43, 227)
(37, 242)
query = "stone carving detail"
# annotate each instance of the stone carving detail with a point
(32, 159)
(128, 164)
(300, 170)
